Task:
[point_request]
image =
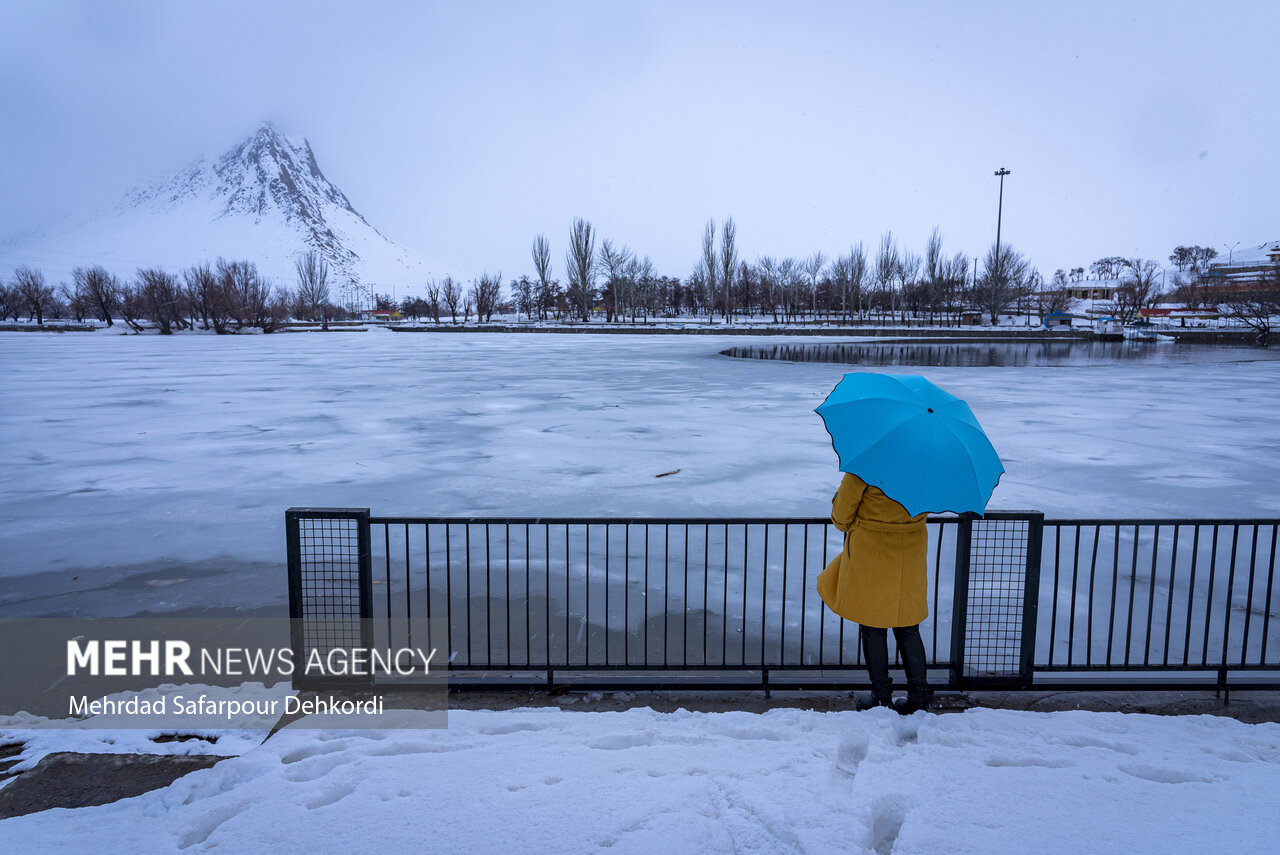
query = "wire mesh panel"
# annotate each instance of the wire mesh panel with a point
(329, 585)
(997, 583)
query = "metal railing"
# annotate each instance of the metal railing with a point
(1013, 599)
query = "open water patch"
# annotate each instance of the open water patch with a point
(1003, 354)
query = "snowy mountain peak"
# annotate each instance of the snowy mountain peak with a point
(264, 199)
(271, 168)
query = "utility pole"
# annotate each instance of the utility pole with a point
(1231, 252)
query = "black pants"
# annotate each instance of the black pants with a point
(875, 651)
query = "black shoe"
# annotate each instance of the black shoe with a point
(914, 702)
(868, 702)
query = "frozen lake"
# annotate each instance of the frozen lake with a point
(150, 474)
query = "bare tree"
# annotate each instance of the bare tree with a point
(614, 261)
(1139, 288)
(245, 292)
(433, 299)
(542, 266)
(313, 285)
(451, 292)
(642, 274)
(710, 267)
(886, 268)
(905, 274)
(812, 267)
(161, 295)
(728, 264)
(1109, 268)
(133, 306)
(524, 291)
(204, 296)
(99, 289)
(9, 302)
(789, 284)
(485, 295)
(31, 289)
(580, 262)
(1051, 297)
(1002, 279)
(770, 282)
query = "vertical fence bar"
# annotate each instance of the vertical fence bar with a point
(1053, 608)
(645, 621)
(1231, 584)
(1208, 608)
(1266, 611)
(959, 599)
(448, 589)
(1093, 567)
(426, 551)
(1173, 577)
(408, 591)
(626, 594)
(1133, 588)
(1248, 598)
(684, 633)
(1031, 596)
(937, 577)
(1115, 584)
(666, 589)
(488, 601)
(1151, 597)
(1191, 593)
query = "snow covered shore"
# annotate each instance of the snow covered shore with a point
(787, 781)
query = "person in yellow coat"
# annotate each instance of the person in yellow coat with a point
(878, 582)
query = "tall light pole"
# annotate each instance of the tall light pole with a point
(999, 268)
(1231, 251)
(1001, 172)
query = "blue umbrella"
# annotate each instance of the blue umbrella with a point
(920, 445)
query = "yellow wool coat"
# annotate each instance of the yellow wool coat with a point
(878, 579)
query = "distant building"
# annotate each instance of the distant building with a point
(1241, 271)
(1058, 319)
(381, 316)
(1181, 315)
(1102, 289)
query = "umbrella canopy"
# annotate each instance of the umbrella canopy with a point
(920, 445)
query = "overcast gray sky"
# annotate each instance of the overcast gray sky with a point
(463, 129)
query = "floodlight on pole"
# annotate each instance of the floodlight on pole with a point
(1231, 250)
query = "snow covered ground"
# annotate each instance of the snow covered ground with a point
(150, 474)
(786, 781)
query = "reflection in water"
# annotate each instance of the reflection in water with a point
(971, 354)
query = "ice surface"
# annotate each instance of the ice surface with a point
(156, 470)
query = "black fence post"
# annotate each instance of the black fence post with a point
(960, 599)
(996, 595)
(1031, 597)
(330, 589)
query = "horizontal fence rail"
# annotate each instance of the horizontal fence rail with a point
(1013, 599)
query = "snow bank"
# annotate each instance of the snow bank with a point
(546, 780)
